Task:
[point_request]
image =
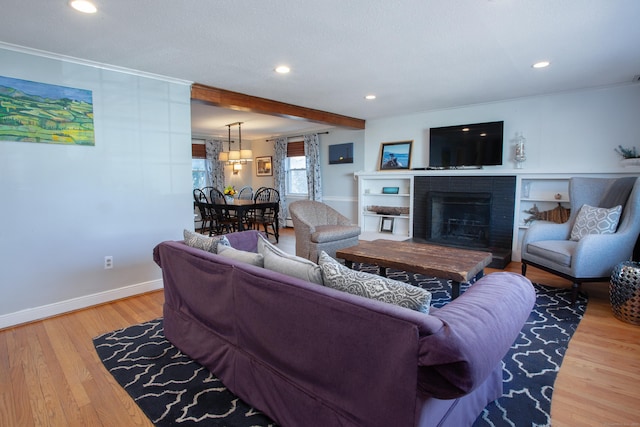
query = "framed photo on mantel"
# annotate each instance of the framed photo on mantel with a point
(395, 155)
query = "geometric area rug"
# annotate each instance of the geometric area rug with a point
(173, 390)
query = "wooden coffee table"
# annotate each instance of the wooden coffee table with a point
(458, 265)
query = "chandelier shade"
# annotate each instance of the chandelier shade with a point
(233, 157)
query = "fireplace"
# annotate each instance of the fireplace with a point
(459, 219)
(472, 212)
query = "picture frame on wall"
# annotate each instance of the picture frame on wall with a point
(395, 155)
(264, 166)
(386, 224)
(341, 153)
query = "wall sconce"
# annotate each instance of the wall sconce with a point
(236, 168)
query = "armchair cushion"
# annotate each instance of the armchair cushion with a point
(591, 220)
(557, 251)
(337, 276)
(330, 233)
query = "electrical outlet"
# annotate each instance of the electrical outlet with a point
(108, 262)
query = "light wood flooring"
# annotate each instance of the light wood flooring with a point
(50, 374)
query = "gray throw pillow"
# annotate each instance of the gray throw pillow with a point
(209, 244)
(592, 220)
(337, 276)
(277, 260)
(242, 256)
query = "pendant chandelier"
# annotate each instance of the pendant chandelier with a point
(236, 157)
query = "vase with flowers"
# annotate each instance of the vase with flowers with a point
(229, 193)
(630, 156)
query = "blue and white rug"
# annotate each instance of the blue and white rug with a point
(173, 390)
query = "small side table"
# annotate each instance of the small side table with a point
(624, 292)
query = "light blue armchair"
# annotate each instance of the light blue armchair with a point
(547, 246)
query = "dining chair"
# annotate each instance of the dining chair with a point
(266, 217)
(245, 193)
(200, 200)
(224, 217)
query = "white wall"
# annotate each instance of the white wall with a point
(567, 132)
(64, 208)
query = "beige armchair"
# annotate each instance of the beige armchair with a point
(319, 227)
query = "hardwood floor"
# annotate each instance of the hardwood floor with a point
(50, 374)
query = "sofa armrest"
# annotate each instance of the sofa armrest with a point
(479, 328)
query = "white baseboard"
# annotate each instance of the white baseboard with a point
(42, 312)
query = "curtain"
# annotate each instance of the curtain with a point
(312, 153)
(215, 168)
(280, 176)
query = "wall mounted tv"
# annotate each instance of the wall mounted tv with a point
(473, 145)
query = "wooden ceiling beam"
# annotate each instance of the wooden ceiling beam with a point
(241, 102)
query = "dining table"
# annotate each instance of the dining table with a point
(242, 207)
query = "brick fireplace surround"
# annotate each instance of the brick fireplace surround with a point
(498, 236)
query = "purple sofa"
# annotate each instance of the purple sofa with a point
(307, 355)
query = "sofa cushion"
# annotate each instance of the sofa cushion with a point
(330, 233)
(243, 256)
(209, 244)
(337, 276)
(591, 220)
(277, 260)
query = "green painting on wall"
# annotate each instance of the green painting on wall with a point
(39, 112)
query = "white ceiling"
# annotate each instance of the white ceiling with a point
(415, 55)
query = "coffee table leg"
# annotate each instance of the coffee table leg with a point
(348, 264)
(382, 271)
(455, 289)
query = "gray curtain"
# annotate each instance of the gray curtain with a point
(215, 168)
(312, 153)
(280, 176)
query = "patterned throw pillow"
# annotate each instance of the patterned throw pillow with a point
(367, 285)
(209, 244)
(592, 220)
(277, 260)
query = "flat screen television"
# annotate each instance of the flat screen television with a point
(473, 145)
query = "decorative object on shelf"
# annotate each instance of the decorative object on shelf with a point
(558, 196)
(624, 292)
(630, 156)
(390, 190)
(559, 214)
(395, 155)
(389, 210)
(386, 224)
(341, 153)
(520, 156)
(526, 190)
(263, 166)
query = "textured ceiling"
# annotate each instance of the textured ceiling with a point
(415, 55)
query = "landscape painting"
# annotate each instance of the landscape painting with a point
(39, 112)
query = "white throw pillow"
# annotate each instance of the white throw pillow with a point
(592, 220)
(337, 276)
(277, 260)
(243, 256)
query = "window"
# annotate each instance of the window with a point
(296, 175)
(199, 173)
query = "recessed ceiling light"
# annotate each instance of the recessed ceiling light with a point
(282, 69)
(465, 129)
(541, 64)
(83, 6)
(370, 97)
